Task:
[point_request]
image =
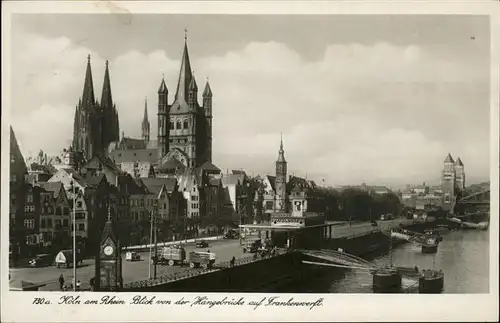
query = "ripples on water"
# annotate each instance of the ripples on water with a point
(462, 255)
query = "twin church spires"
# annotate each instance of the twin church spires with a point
(96, 123)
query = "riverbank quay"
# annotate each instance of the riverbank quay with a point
(358, 239)
(255, 274)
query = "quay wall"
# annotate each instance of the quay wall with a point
(251, 277)
(270, 273)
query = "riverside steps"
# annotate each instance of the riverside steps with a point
(291, 261)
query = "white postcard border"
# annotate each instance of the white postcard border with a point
(15, 306)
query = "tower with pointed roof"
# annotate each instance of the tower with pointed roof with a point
(185, 126)
(459, 174)
(111, 128)
(163, 125)
(207, 106)
(145, 123)
(95, 124)
(281, 197)
(448, 182)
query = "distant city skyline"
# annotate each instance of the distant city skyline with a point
(375, 99)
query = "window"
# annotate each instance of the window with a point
(13, 178)
(178, 125)
(42, 223)
(269, 205)
(12, 158)
(65, 222)
(49, 223)
(171, 124)
(142, 203)
(79, 204)
(30, 198)
(81, 227)
(29, 208)
(186, 124)
(29, 223)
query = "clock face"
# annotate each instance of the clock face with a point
(108, 250)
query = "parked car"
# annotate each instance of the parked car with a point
(252, 246)
(42, 260)
(232, 234)
(374, 223)
(132, 256)
(201, 244)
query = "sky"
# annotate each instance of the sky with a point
(378, 99)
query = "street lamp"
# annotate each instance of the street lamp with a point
(153, 231)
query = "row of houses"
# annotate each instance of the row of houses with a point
(183, 202)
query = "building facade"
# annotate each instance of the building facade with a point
(452, 181)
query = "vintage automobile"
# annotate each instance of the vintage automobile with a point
(132, 256)
(252, 246)
(201, 244)
(42, 260)
(232, 234)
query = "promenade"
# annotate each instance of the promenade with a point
(139, 270)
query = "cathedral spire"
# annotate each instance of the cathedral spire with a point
(185, 74)
(145, 119)
(145, 123)
(88, 98)
(281, 156)
(106, 98)
(207, 92)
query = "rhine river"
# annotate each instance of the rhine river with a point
(462, 255)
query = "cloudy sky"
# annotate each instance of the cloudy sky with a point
(375, 99)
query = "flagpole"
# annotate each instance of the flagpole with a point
(74, 233)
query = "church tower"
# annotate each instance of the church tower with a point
(86, 118)
(448, 182)
(95, 125)
(110, 128)
(145, 123)
(184, 126)
(281, 198)
(207, 106)
(163, 124)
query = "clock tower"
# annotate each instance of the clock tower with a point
(281, 198)
(109, 262)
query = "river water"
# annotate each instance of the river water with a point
(462, 255)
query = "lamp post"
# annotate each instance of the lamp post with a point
(74, 233)
(155, 210)
(150, 242)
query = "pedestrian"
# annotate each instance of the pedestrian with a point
(92, 283)
(61, 282)
(232, 261)
(78, 284)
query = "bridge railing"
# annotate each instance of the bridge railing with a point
(188, 273)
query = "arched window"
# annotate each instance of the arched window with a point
(186, 124)
(171, 125)
(178, 125)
